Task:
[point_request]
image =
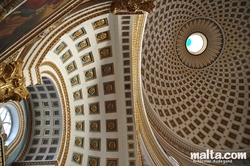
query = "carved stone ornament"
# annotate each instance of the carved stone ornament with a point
(65, 56)
(109, 87)
(78, 126)
(70, 67)
(74, 80)
(78, 142)
(12, 82)
(99, 23)
(132, 6)
(82, 44)
(110, 106)
(94, 144)
(93, 108)
(102, 36)
(77, 33)
(78, 110)
(59, 48)
(89, 74)
(107, 69)
(86, 58)
(93, 162)
(112, 163)
(105, 51)
(94, 126)
(76, 158)
(112, 145)
(91, 91)
(77, 94)
(111, 126)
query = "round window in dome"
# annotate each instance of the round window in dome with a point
(5, 120)
(196, 43)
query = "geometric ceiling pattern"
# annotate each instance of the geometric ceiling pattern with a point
(87, 58)
(46, 127)
(207, 107)
(100, 104)
(82, 112)
(212, 33)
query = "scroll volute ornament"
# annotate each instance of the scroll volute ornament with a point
(132, 6)
(12, 82)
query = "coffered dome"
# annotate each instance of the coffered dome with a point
(132, 88)
(208, 107)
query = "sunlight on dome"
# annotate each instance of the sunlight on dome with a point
(196, 43)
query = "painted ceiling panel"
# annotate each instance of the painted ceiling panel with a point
(25, 18)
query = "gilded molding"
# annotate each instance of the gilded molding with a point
(2, 149)
(142, 126)
(29, 130)
(136, 39)
(35, 163)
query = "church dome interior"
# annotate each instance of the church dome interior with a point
(108, 83)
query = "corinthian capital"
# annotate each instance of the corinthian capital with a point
(12, 82)
(132, 6)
